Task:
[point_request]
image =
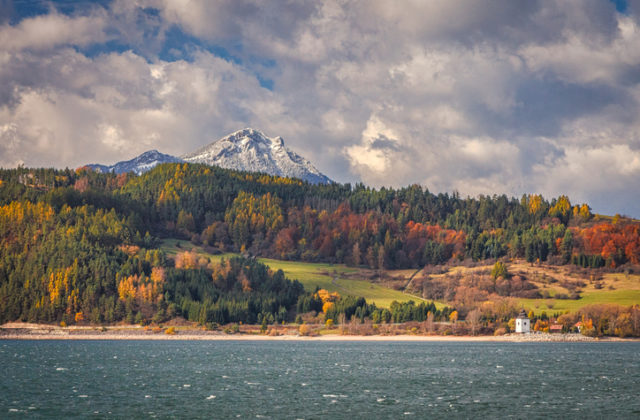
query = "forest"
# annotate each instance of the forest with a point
(80, 246)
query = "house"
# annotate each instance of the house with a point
(523, 323)
(578, 325)
(555, 328)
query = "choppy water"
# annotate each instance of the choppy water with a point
(231, 379)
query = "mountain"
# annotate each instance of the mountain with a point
(140, 164)
(245, 150)
(251, 150)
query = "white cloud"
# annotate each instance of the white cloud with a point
(579, 59)
(117, 105)
(596, 175)
(48, 31)
(477, 96)
(374, 155)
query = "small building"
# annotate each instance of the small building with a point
(523, 323)
(555, 328)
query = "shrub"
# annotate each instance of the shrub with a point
(304, 330)
(232, 329)
(273, 332)
(500, 331)
(499, 270)
(170, 331)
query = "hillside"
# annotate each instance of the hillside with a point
(82, 246)
(535, 287)
(347, 281)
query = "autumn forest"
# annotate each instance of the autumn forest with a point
(83, 247)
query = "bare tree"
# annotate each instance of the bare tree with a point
(635, 319)
(430, 324)
(342, 320)
(473, 320)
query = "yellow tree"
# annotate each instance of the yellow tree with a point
(453, 317)
(534, 202)
(562, 207)
(126, 287)
(326, 306)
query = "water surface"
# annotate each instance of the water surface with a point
(280, 379)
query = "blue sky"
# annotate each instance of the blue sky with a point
(474, 96)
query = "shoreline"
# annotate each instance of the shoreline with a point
(23, 331)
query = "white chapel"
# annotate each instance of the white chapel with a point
(523, 323)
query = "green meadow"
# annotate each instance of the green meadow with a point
(618, 289)
(619, 297)
(325, 276)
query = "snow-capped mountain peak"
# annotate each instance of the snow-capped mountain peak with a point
(251, 150)
(139, 164)
(245, 150)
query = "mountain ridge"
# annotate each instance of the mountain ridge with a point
(140, 164)
(251, 150)
(243, 150)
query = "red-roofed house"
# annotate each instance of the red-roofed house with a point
(555, 328)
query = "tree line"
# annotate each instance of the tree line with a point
(80, 245)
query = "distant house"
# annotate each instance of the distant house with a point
(555, 328)
(248, 255)
(578, 325)
(523, 323)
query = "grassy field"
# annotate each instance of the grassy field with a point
(620, 297)
(331, 277)
(617, 288)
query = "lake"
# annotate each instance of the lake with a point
(289, 380)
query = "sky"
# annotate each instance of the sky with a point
(475, 96)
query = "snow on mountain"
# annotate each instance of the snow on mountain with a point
(140, 164)
(245, 150)
(251, 150)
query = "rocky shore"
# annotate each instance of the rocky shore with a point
(24, 331)
(546, 337)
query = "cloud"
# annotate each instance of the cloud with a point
(375, 155)
(117, 105)
(577, 59)
(474, 96)
(48, 31)
(596, 175)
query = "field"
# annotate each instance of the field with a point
(594, 287)
(332, 277)
(616, 288)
